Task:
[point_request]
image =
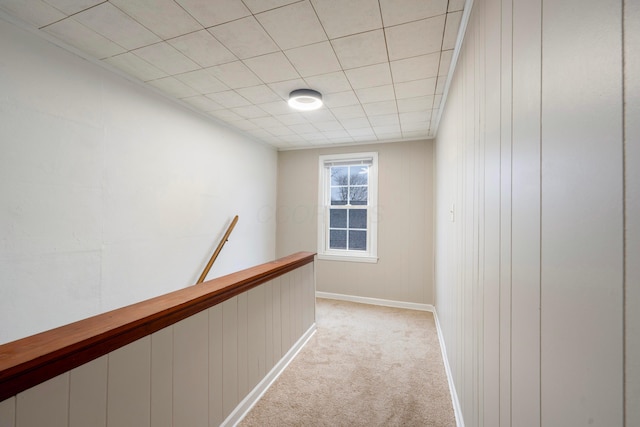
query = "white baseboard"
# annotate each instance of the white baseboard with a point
(457, 409)
(254, 396)
(376, 301)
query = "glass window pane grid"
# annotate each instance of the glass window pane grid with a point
(348, 238)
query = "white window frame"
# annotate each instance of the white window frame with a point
(324, 204)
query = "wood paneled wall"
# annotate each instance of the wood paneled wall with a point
(530, 274)
(193, 373)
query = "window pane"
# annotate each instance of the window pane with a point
(359, 195)
(340, 175)
(337, 239)
(338, 218)
(357, 218)
(339, 195)
(359, 175)
(358, 240)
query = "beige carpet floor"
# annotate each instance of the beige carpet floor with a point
(365, 366)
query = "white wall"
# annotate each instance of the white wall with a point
(110, 193)
(530, 276)
(405, 222)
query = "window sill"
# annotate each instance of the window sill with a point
(349, 258)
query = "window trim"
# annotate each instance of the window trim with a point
(371, 254)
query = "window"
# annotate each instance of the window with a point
(347, 225)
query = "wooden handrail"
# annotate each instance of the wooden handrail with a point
(217, 251)
(32, 360)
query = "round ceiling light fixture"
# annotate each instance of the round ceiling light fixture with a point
(305, 99)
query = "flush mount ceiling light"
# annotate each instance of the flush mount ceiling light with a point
(305, 99)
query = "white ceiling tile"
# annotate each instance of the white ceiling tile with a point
(135, 66)
(379, 108)
(376, 94)
(203, 81)
(415, 88)
(355, 123)
(35, 12)
(363, 134)
(415, 116)
(422, 127)
(258, 6)
(245, 125)
(401, 39)
(315, 138)
(385, 120)
(442, 80)
(203, 103)
(73, 6)
(173, 87)
(280, 131)
(272, 68)
(418, 103)
(261, 94)
(349, 112)
(117, 26)
(202, 48)
(445, 62)
(250, 112)
(210, 13)
(226, 115)
(451, 30)
(415, 134)
(245, 38)
(329, 83)
(418, 67)
(396, 12)
(370, 76)
(303, 128)
(167, 58)
(341, 18)
(276, 107)
(267, 122)
(235, 75)
(341, 99)
(361, 49)
(81, 37)
(455, 5)
(345, 140)
(321, 115)
(291, 119)
(293, 25)
(283, 89)
(314, 59)
(390, 130)
(164, 17)
(338, 133)
(327, 126)
(228, 99)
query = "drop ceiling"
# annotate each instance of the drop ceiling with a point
(381, 65)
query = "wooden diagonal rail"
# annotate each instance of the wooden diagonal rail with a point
(218, 249)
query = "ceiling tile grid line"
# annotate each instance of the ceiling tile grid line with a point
(381, 65)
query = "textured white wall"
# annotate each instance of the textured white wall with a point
(405, 223)
(110, 193)
(529, 278)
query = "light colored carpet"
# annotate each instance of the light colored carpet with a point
(365, 366)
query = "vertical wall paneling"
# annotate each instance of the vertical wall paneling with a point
(491, 244)
(277, 318)
(230, 355)
(256, 369)
(190, 371)
(269, 359)
(46, 404)
(243, 345)
(88, 394)
(582, 229)
(632, 208)
(8, 412)
(285, 308)
(525, 213)
(216, 365)
(162, 378)
(129, 379)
